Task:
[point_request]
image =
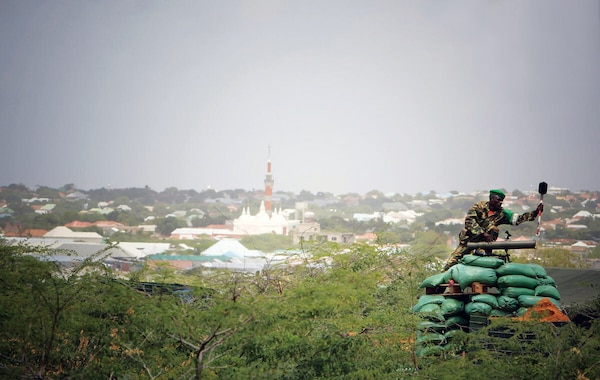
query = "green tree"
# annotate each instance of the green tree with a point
(165, 226)
(305, 195)
(325, 321)
(46, 221)
(431, 244)
(595, 253)
(340, 313)
(47, 192)
(55, 323)
(336, 224)
(171, 195)
(213, 216)
(128, 218)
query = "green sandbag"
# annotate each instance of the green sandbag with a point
(482, 261)
(529, 270)
(515, 292)
(546, 280)
(456, 321)
(547, 291)
(521, 311)
(500, 313)
(538, 269)
(478, 308)
(530, 301)
(490, 299)
(436, 280)
(432, 312)
(429, 326)
(465, 275)
(452, 306)
(507, 303)
(517, 280)
(426, 299)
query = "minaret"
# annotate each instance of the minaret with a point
(268, 186)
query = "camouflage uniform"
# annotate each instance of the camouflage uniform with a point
(481, 219)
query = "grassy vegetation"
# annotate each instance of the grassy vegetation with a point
(342, 316)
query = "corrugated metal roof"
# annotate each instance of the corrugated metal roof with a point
(85, 250)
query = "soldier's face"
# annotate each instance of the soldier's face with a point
(495, 203)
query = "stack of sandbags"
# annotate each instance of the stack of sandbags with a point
(520, 287)
(481, 269)
(442, 317)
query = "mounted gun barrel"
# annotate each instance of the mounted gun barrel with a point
(489, 246)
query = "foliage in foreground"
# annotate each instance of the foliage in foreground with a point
(342, 318)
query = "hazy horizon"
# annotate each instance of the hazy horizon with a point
(351, 96)
(471, 191)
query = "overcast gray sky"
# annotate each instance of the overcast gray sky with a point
(351, 96)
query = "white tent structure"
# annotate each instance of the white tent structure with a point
(230, 248)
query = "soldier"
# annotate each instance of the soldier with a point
(482, 221)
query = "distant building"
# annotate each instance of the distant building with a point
(262, 222)
(267, 220)
(64, 233)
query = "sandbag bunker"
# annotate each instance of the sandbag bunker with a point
(478, 288)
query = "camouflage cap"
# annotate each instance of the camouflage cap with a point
(497, 192)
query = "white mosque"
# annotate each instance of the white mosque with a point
(267, 220)
(263, 223)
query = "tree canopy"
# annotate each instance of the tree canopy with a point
(341, 316)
